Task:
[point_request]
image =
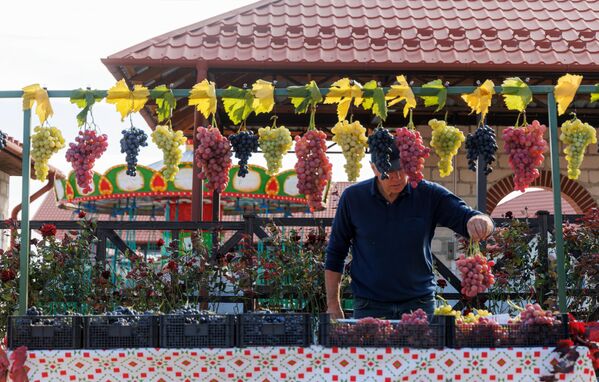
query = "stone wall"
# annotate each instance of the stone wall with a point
(4, 214)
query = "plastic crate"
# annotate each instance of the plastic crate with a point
(45, 332)
(274, 329)
(509, 335)
(197, 331)
(105, 332)
(359, 333)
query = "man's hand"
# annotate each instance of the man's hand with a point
(336, 312)
(480, 227)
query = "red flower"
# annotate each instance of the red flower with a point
(7, 275)
(441, 283)
(172, 266)
(48, 230)
(577, 329)
(82, 214)
(160, 243)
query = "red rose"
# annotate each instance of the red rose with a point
(82, 214)
(441, 283)
(48, 230)
(172, 266)
(160, 243)
(7, 275)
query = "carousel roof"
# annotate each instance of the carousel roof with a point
(384, 34)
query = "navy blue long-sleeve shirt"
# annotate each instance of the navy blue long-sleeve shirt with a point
(391, 242)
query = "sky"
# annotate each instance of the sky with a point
(59, 44)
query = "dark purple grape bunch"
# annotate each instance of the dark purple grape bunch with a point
(483, 143)
(3, 139)
(131, 142)
(380, 144)
(244, 144)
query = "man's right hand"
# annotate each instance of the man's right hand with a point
(336, 312)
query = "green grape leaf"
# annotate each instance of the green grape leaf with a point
(165, 102)
(374, 99)
(238, 103)
(595, 96)
(304, 96)
(84, 99)
(438, 99)
(516, 94)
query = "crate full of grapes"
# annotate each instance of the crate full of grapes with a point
(122, 328)
(274, 329)
(191, 328)
(413, 330)
(39, 332)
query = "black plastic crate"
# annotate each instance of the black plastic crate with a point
(381, 333)
(110, 332)
(197, 331)
(274, 329)
(45, 332)
(509, 335)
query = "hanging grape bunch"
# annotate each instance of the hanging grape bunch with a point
(380, 143)
(274, 143)
(446, 141)
(169, 142)
(213, 157)
(45, 142)
(131, 142)
(412, 153)
(481, 143)
(3, 139)
(351, 137)
(313, 167)
(82, 154)
(525, 146)
(244, 143)
(576, 136)
(475, 271)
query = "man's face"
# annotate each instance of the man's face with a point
(395, 183)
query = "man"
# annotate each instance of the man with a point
(389, 226)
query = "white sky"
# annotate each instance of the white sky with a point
(59, 44)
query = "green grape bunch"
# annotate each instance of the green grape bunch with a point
(576, 136)
(274, 143)
(45, 142)
(169, 142)
(446, 141)
(351, 137)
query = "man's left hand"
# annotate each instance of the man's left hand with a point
(480, 227)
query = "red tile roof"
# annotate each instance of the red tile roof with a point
(533, 201)
(387, 34)
(11, 158)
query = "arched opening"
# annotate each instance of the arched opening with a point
(576, 196)
(526, 204)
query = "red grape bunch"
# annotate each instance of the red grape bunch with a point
(82, 155)
(213, 157)
(525, 146)
(412, 153)
(476, 274)
(534, 314)
(313, 167)
(417, 317)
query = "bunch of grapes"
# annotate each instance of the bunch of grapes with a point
(446, 141)
(45, 142)
(476, 274)
(417, 317)
(213, 157)
(169, 142)
(133, 138)
(576, 136)
(372, 331)
(244, 143)
(380, 143)
(351, 137)
(482, 143)
(412, 153)
(82, 155)
(525, 147)
(3, 139)
(534, 314)
(274, 143)
(313, 167)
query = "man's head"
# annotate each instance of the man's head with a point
(397, 179)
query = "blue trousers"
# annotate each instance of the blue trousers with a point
(392, 310)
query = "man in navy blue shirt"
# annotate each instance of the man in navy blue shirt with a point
(389, 226)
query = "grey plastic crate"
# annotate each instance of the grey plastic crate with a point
(274, 329)
(105, 332)
(197, 331)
